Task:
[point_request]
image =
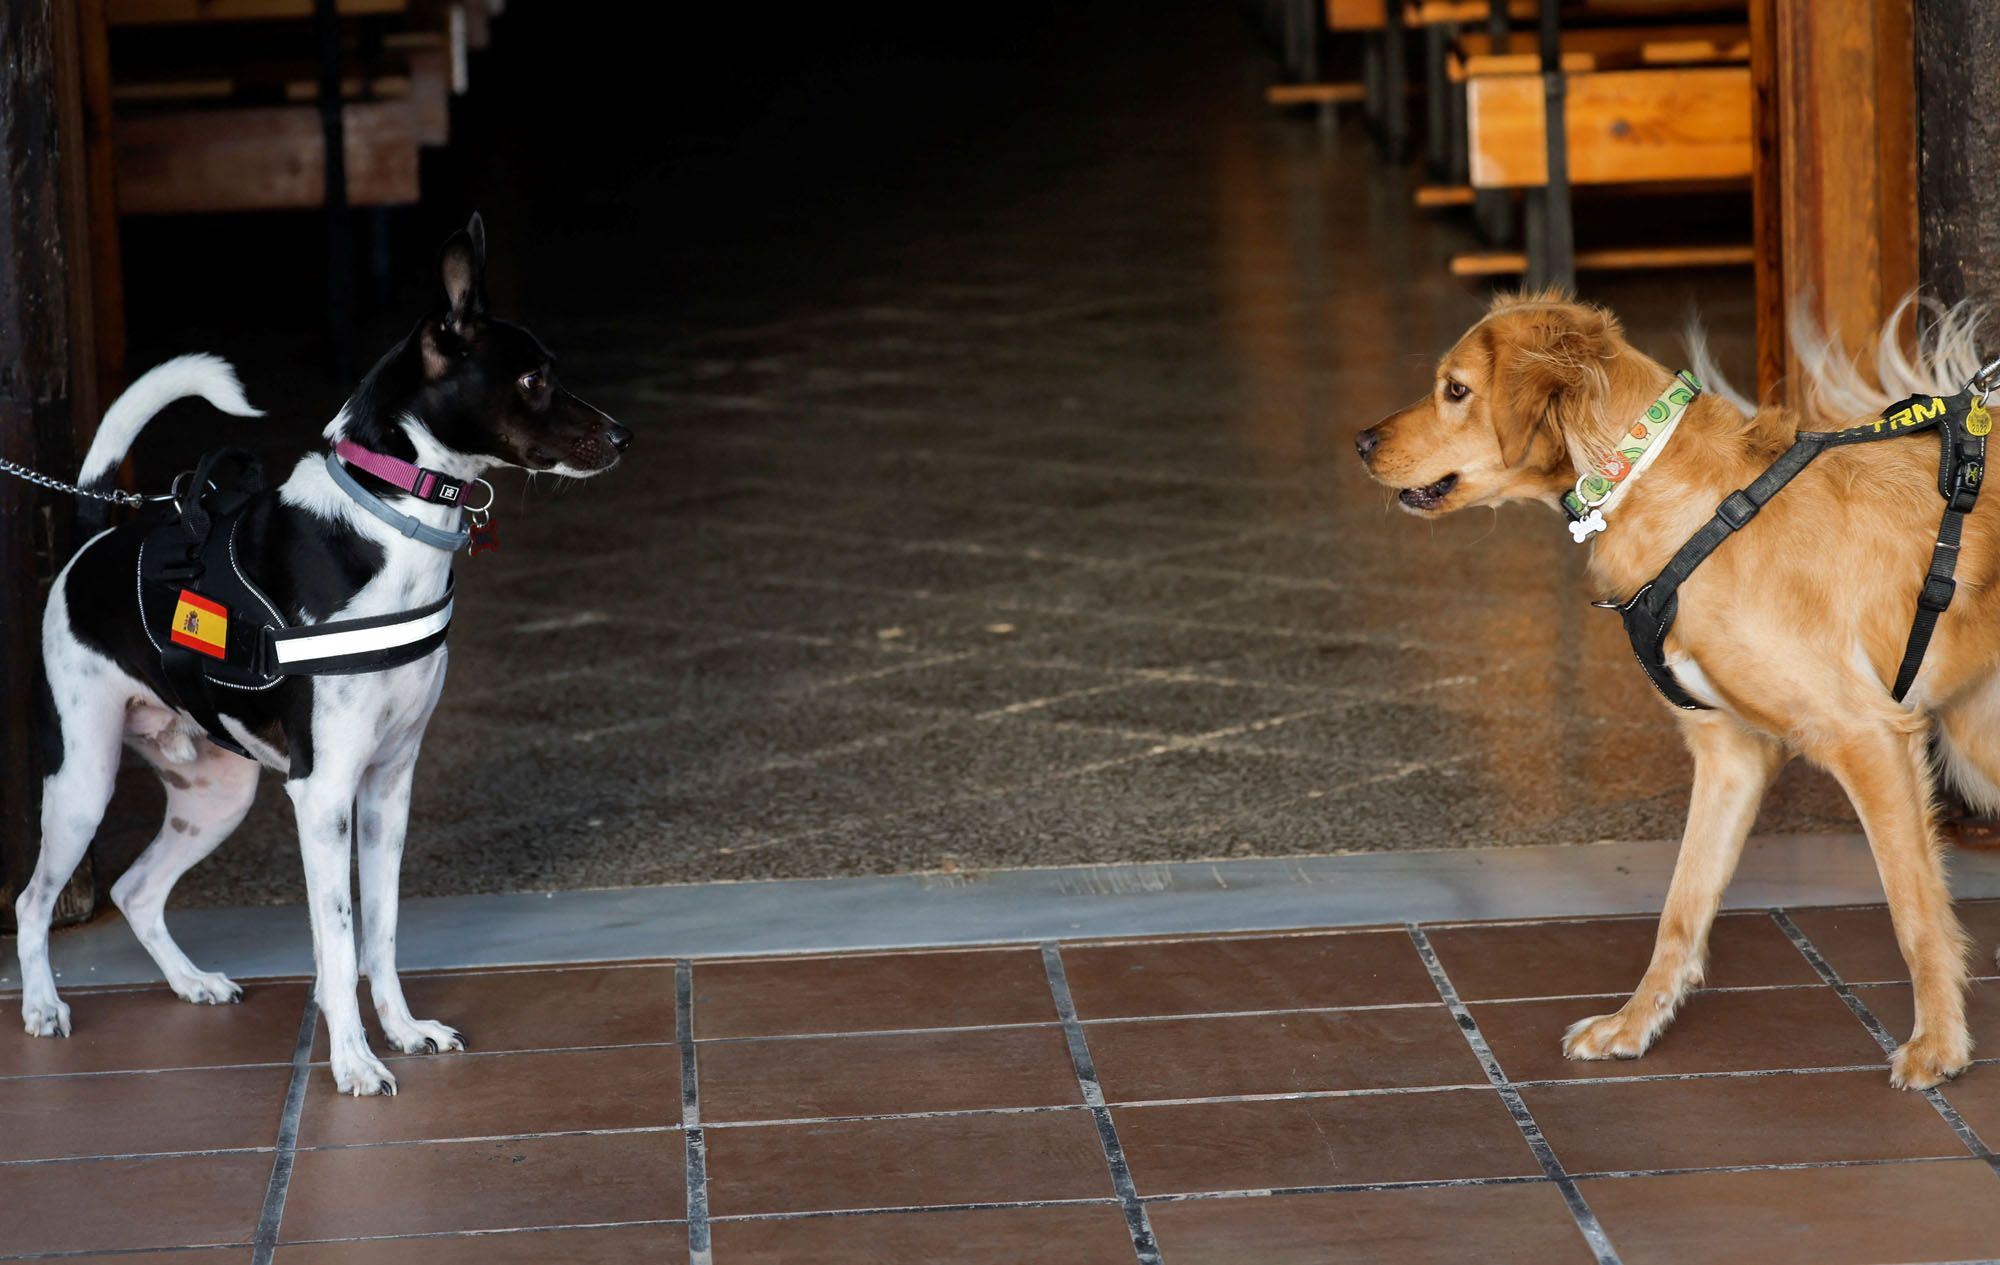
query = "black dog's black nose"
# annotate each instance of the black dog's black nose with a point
(618, 437)
(1367, 442)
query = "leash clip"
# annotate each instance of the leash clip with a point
(1984, 381)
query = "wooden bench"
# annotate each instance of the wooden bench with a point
(1623, 127)
(229, 121)
(260, 105)
(1602, 48)
(1688, 127)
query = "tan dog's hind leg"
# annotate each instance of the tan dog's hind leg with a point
(1970, 752)
(1732, 769)
(1884, 771)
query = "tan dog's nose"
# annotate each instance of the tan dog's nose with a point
(1368, 441)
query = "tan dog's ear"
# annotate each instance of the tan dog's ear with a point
(1548, 375)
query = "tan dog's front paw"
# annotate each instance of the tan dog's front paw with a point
(1619, 1036)
(1928, 1059)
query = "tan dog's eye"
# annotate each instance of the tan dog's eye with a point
(1455, 390)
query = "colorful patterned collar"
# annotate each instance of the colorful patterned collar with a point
(1598, 489)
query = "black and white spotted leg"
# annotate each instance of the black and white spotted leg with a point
(324, 803)
(73, 802)
(206, 800)
(383, 818)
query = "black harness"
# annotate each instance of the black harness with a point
(215, 628)
(1962, 423)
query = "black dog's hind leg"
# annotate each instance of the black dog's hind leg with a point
(206, 800)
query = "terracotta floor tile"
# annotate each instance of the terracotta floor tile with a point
(1860, 944)
(152, 1028)
(1631, 1126)
(538, 1010)
(906, 1163)
(1455, 1133)
(1435, 1226)
(489, 1095)
(1085, 1235)
(621, 1245)
(138, 1113)
(1556, 959)
(110, 1205)
(1942, 1211)
(509, 1184)
(1714, 1032)
(870, 992)
(1280, 1054)
(185, 1256)
(1891, 1004)
(1187, 977)
(1976, 1094)
(886, 1075)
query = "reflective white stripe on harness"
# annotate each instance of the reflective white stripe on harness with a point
(294, 651)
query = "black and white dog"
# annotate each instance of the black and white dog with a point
(343, 540)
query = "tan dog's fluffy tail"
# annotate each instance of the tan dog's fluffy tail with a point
(1835, 391)
(1703, 366)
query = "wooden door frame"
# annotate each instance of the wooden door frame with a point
(62, 344)
(1836, 182)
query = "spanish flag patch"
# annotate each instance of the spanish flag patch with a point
(201, 625)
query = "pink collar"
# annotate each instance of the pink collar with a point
(425, 485)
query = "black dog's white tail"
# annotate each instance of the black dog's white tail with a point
(209, 377)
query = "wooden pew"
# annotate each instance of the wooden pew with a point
(210, 120)
(170, 12)
(262, 158)
(1623, 127)
(252, 105)
(1685, 127)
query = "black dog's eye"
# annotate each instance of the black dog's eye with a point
(533, 380)
(1455, 390)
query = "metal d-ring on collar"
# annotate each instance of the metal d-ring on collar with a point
(479, 513)
(415, 528)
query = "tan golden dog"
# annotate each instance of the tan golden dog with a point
(1792, 631)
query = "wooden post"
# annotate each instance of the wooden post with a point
(1838, 193)
(49, 362)
(1958, 131)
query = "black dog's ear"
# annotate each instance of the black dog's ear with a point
(462, 264)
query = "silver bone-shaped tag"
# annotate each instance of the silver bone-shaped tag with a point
(1587, 526)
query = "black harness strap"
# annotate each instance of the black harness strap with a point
(1962, 423)
(190, 556)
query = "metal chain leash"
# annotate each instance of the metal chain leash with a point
(133, 499)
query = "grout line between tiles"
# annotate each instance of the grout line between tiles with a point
(1934, 1095)
(1136, 1219)
(266, 1243)
(981, 1206)
(471, 1138)
(691, 1126)
(708, 1126)
(394, 1059)
(1348, 1188)
(1622, 1174)
(1524, 1120)
(500, 1232)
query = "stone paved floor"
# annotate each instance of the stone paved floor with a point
(994, 501)
(1377, 1095)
